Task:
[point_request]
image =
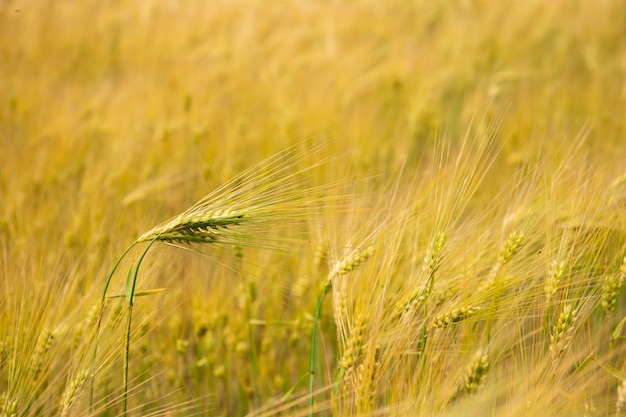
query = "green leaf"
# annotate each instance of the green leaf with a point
(129, 283)
(611, 370)
(290, 391)
(584, 363)
(618, 329)
(151, 292)
(141, 293)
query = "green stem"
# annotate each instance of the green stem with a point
(131, 297)
(424, 338)
(318, 310)
(99, 325)
(253, 359)
(126, 355)
(106, 286)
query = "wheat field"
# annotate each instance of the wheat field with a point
(312, 208)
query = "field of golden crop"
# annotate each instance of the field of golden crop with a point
(414, 208)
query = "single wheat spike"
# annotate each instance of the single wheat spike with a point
(365, 386)
(431, 264)
(611, 286)
(555, 273)
(37, 359)
(433, 258)
(475, 373)
(204, 227)
(273, 190)
(510, 247)
(416, 298)
(563, 331)
(345, 266)
(352, 353)
(352, 261)
(453, 316)
(72, 392)
(508, 250)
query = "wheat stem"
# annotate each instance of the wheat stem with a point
(318, 311)
(131, 296)
(100, 314)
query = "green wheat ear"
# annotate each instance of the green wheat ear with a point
(207, 227)
(241, 212)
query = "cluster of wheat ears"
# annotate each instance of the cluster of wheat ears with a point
(440, 232)
(430, 318)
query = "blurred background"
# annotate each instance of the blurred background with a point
(115, 116)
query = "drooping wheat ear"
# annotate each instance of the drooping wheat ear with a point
(563, 332)
(555, 273)
(203, 227)
(274, 191)
(621, 397)
(73, 391)
(610, 288)
(474, 374)
(453, 316)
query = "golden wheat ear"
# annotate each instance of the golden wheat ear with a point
(271, 194)
(208, 227)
